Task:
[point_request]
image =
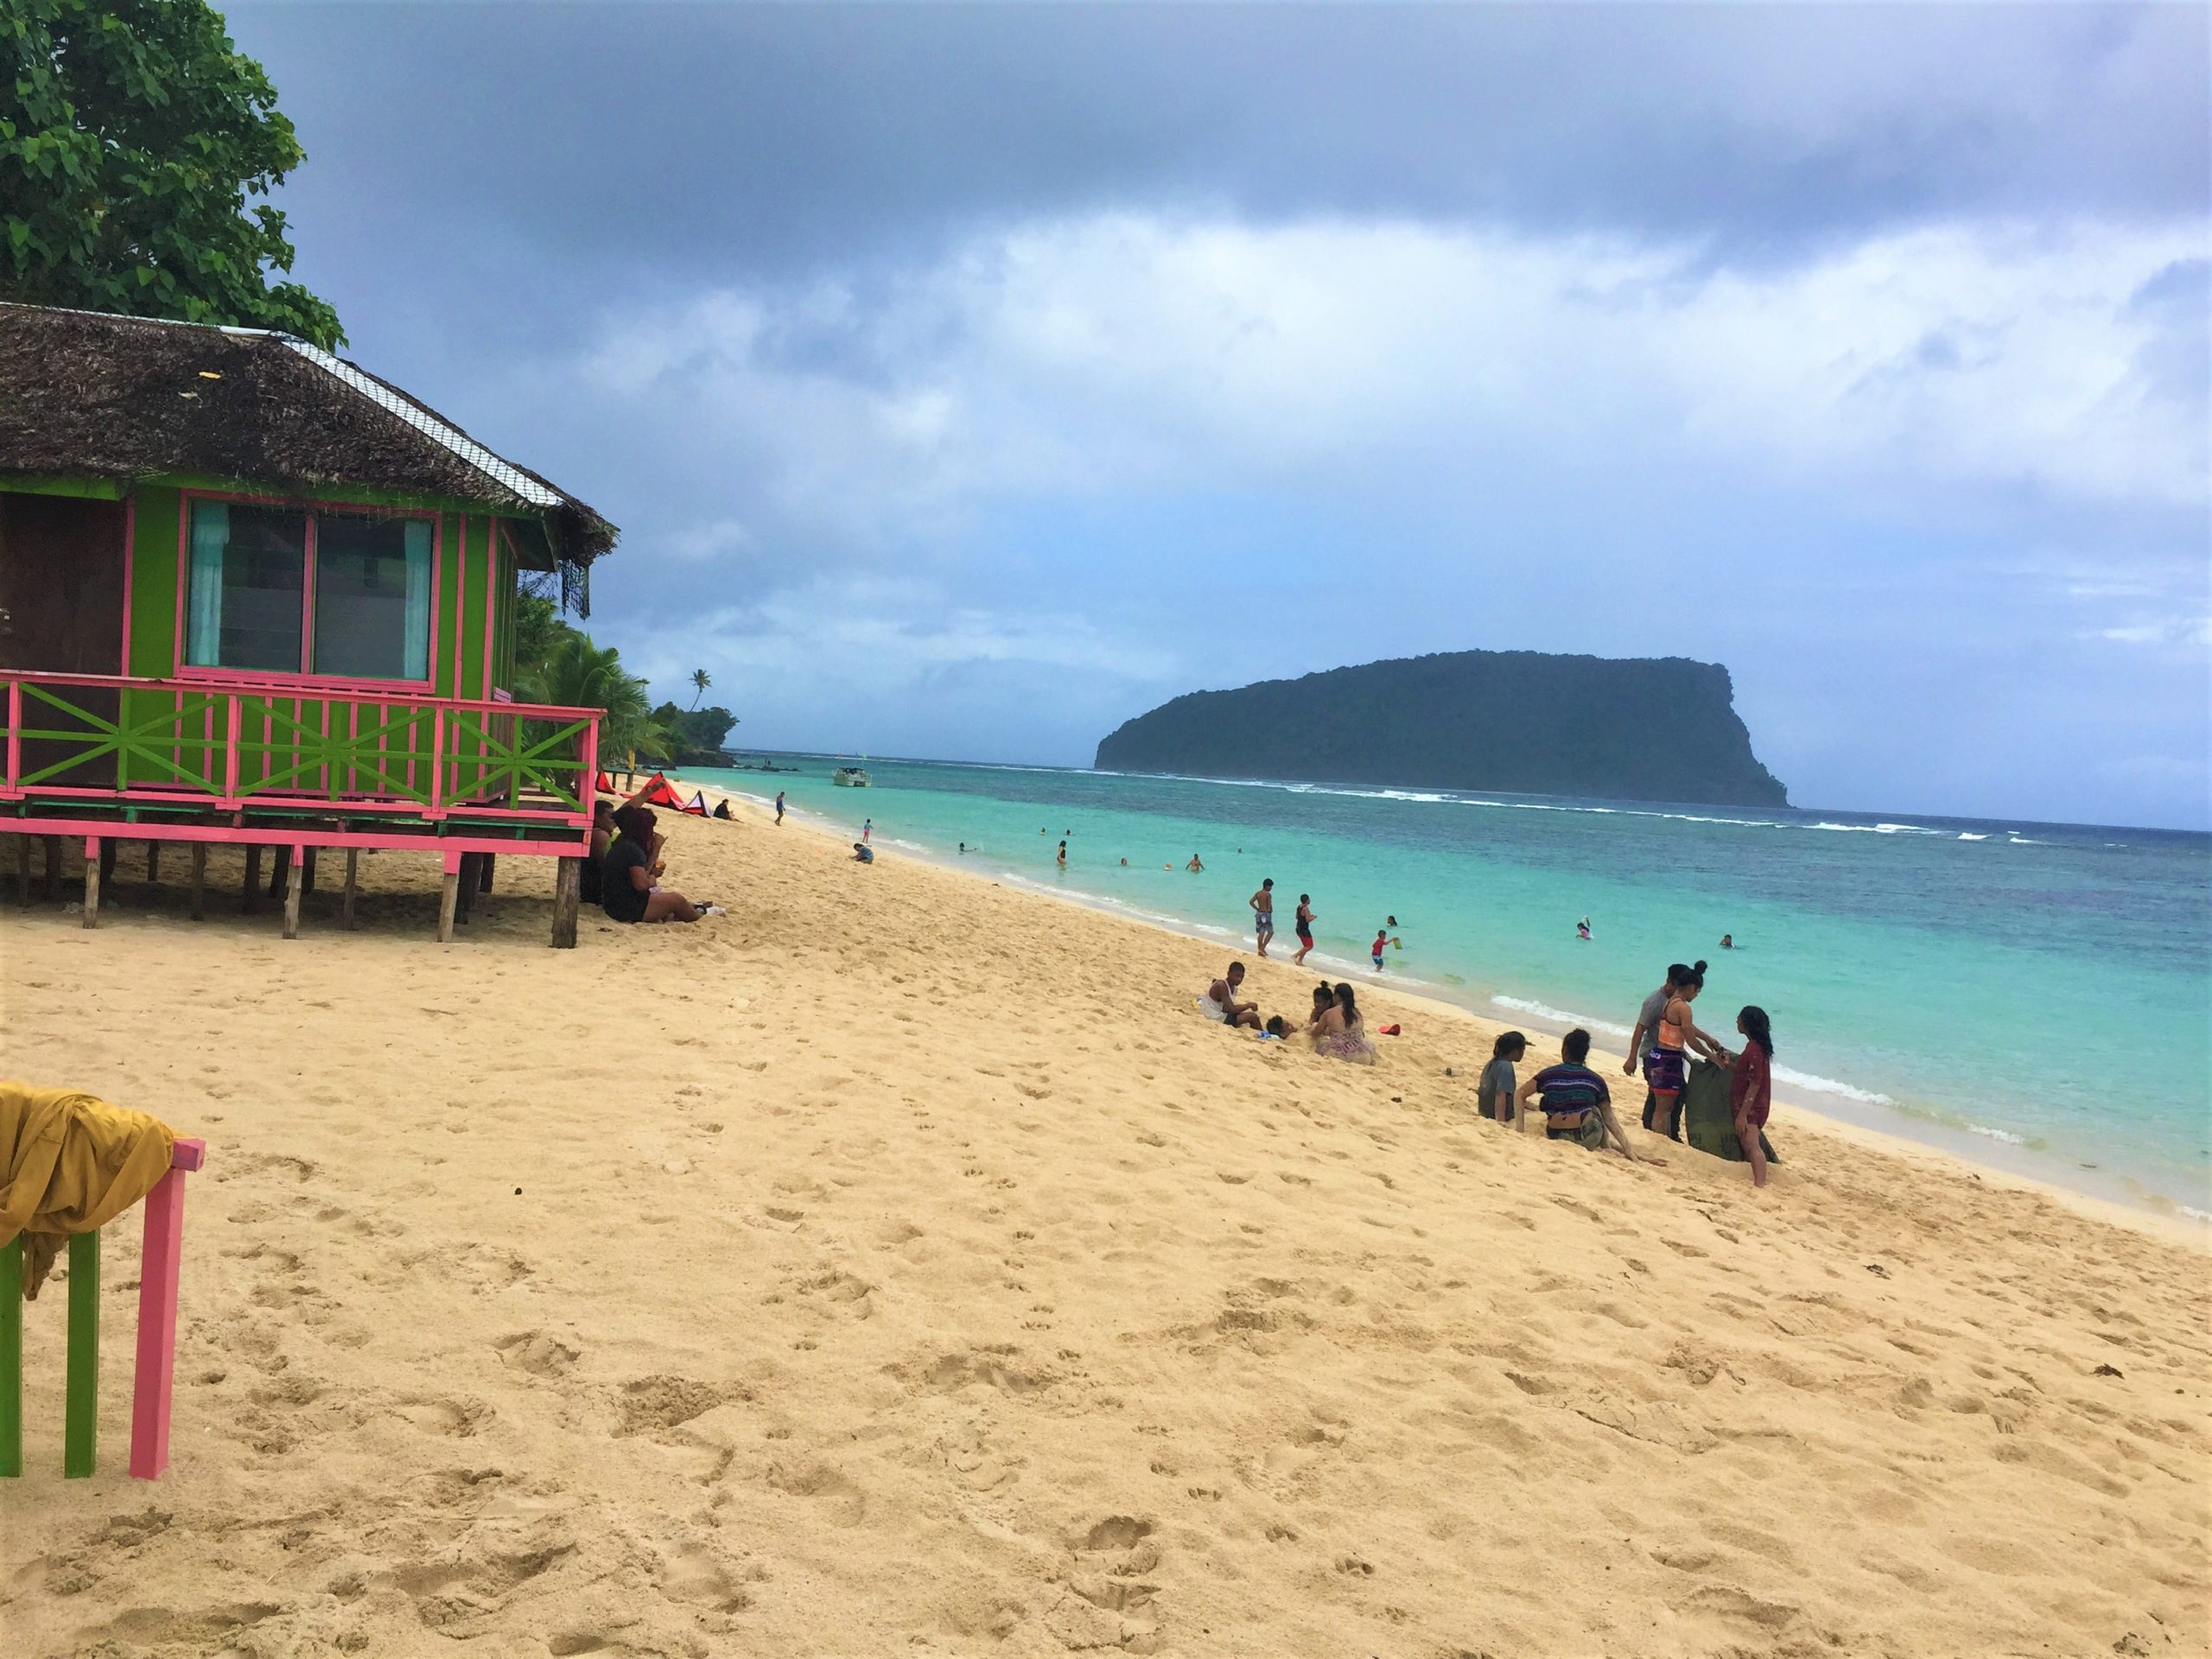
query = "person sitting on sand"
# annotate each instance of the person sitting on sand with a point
(1575, 1102)
(1263, 913)
(1277, 1027)
(1751, 1090)
(722, 808)
(1220, 1005)
(634, 865)
(863, 853)
(1194, 867)
(1342, 1035)
(1666, 1067)
(1494, 1094)
(1324, 998)
(590, 882)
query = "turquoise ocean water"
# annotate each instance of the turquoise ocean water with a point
(2036, 996)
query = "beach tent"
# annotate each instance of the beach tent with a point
(697, 805)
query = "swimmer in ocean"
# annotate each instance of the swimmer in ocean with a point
(1727, 941)
(1194, 867)
(1582, 929)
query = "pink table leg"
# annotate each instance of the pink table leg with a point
(156, 1369)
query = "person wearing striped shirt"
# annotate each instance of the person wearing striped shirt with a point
(1575, 1102)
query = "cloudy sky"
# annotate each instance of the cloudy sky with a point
(967, 380)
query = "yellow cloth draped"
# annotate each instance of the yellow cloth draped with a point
(70, 1162)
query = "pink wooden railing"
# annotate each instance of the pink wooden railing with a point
(96, 743)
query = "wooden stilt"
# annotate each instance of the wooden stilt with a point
(252, 902)
(153, 863)
(307, 876)
(488, 858)
(23, 868)
(52, 868)
(295, 878)
(279, 872)
(11, 1358)
(109, 847)
(466, 898)
(353, 886)
(154, 1384)
(448, 895)
(81, 1431)
(567, 880)
(198, 880)
(95, 866)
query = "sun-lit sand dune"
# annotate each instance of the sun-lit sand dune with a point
(899, 1264)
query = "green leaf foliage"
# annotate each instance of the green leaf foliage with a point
(697, 733)
(132, 133)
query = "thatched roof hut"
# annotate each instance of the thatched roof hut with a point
(88, 394)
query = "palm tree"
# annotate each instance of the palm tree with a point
(700, 681)
(579, 675)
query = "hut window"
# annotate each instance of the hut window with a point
(371, 596)
(257, 572)
(248, 586)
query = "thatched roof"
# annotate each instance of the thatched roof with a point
(86, 395)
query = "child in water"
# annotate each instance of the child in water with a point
(1382, 938)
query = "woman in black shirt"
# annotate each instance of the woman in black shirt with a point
(626, 877)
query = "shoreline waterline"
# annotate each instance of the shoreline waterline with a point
(1951, 1140)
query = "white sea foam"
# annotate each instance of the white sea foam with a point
(1829, 1086)
(1560, 1016)
(2006, 1136)
(1968, 835)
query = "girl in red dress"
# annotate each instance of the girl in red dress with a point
(1751, 1092)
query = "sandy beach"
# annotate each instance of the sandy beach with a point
(899, 1264)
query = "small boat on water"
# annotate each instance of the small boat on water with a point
(849, 778)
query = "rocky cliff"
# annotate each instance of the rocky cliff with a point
(1643, 729)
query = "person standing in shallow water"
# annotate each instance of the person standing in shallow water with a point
(1263, 913)
(1062, 858)
(1305, 925)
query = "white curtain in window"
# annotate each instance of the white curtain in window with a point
(418, 599)
(210, 536)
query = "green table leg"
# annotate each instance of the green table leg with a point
(11, 1358)
(81, 1423)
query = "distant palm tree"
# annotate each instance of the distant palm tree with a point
(700, 681)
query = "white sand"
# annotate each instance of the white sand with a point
(900, 1264)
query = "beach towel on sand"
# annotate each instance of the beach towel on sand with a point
(69, 1163)
(1709, 1118)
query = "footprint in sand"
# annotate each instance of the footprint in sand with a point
(536, 1353)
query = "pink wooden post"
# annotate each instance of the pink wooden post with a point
(15, 731)
(231, 753)
(157, 1276)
